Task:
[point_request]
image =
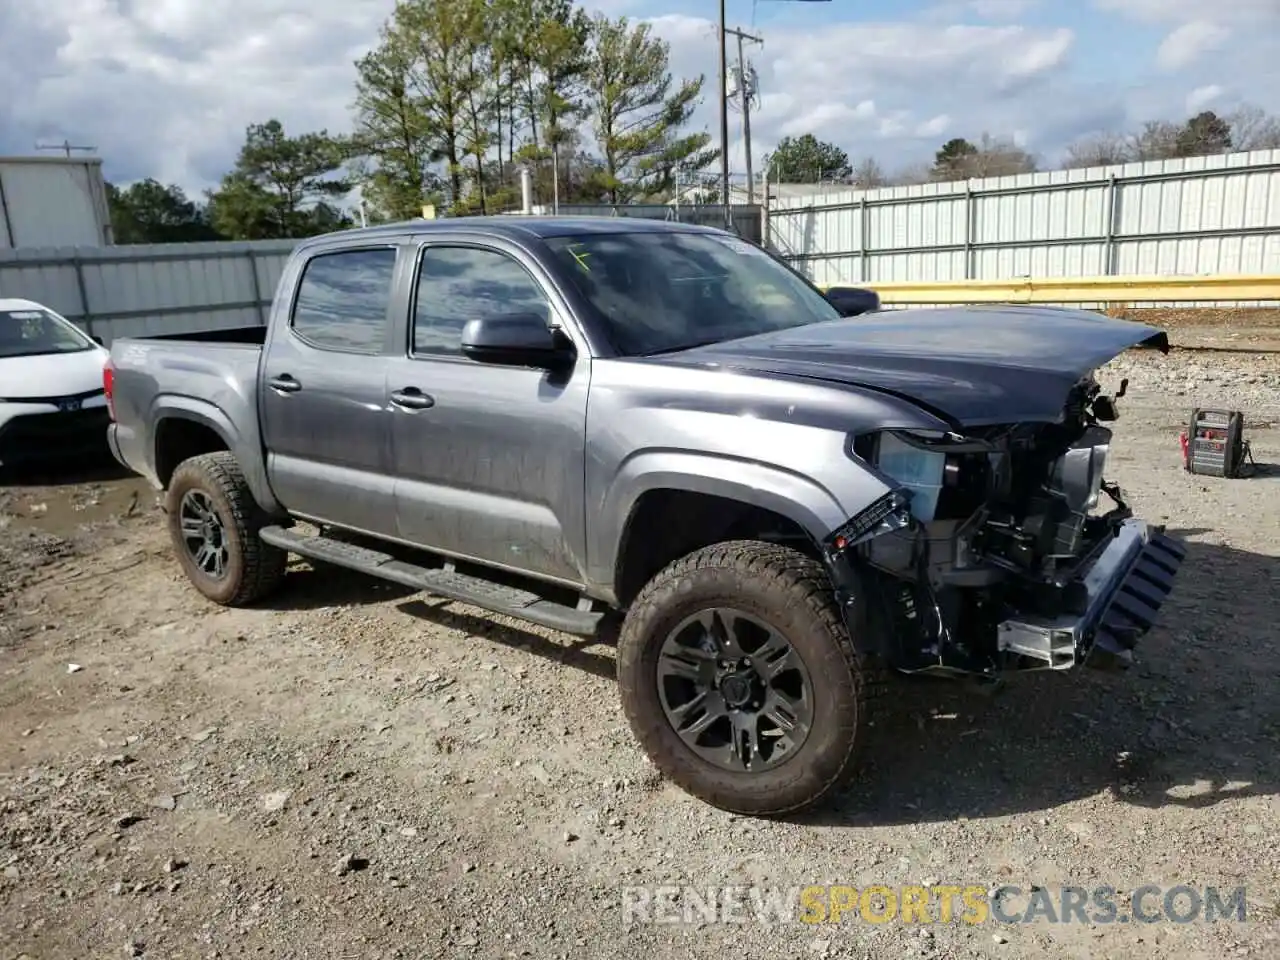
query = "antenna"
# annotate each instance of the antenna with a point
(66, 146)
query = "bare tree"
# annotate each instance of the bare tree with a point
(1158, 140)
(1099, 150)
(912, 175)
(991, 156)
(1000, 157)
(1252, 128)
(868, 174)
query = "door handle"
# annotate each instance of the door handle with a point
(411, 398)
(285, 383)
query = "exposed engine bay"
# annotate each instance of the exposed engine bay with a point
(1004, 548)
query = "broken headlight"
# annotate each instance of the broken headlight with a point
(947, 476)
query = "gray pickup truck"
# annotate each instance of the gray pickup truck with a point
(664, 431)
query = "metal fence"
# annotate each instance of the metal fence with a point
(1207, 215)
(1201, 215)
(149, 289)
(746, 218)
(1090, 293)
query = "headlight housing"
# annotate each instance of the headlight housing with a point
(919, 470)
(946, 475)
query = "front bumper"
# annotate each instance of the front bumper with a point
(38, 432)
(1125, 588)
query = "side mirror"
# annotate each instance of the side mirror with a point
(851, 301)
(515, 339)
(98, 340)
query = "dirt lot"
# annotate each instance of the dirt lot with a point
(358, 772)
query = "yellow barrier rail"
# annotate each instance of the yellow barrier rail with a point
(1081, 290)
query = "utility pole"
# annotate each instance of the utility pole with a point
(724, 125)
(66, 146)
(724, 116)
(744, 97)
(555, 176)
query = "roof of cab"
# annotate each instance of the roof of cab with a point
(514, 227)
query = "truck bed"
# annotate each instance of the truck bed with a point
(208, 378)
(254, 335)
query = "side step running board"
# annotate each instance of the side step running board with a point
(450, 584)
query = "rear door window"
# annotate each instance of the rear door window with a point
(343, 300)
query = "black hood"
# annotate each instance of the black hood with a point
(977, 365)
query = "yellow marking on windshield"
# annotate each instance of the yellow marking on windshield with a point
(580, 257)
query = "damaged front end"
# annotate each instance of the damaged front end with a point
(993, 551)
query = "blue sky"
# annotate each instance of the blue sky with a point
(165, 88)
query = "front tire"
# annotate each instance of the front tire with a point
(741, 682)
(213, 523)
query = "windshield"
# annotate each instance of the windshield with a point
(660, 292)
(26, 333)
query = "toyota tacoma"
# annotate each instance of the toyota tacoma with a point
(771, 497)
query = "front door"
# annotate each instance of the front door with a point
(490, 464)
(326, 424)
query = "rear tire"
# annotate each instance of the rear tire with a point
(767, 591)
(213, 522)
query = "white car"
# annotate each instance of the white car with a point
(52, 404)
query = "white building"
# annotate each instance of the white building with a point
(53, 202)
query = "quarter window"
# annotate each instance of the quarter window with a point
(457, 284)
(343, 299)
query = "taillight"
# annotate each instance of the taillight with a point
(108, 388)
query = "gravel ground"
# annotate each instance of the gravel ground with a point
(360, 772)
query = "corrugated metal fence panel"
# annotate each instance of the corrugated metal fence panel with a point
(149, 289)
(1217, 214)
(51, 280)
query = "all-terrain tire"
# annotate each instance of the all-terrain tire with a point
(792, 593)
(254, 569)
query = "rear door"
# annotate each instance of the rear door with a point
(326, 425)
(491, 464)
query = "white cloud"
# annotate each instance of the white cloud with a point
(933, 127)
(985, 9)
(1000, 9)
(907, 85)
(894, 124)
(827, 116)
(1195, 57)
(165, 88)
(1040, 54)
(1189, 42)
(1182, 11)
(1201, 97)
